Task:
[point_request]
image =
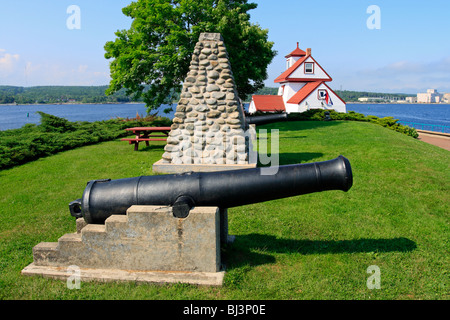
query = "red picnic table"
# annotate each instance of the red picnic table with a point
(144, 134)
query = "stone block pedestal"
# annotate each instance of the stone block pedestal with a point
(148, 244)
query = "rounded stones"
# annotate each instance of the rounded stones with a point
(208, 126)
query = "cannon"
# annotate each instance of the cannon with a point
(223, 189)
(259, 120)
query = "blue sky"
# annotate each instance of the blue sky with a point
(409, 53)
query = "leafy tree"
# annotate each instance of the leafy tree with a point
(152, 58)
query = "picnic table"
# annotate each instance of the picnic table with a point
(145, 134)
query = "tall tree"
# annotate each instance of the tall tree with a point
(151, 59)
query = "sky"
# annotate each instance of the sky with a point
(392, 46)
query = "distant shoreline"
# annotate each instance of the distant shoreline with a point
(103, 103)
(418, 103)
(65, 103)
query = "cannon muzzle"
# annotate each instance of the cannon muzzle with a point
(224, 189)
(259, 120)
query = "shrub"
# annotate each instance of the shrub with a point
(50, 123)
(56, 134)
(319, 115)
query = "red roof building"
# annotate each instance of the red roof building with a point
(303, 87)
(269, 103)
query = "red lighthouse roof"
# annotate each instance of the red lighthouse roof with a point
(296, 53)
(304, 92)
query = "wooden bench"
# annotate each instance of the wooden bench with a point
(144, 134)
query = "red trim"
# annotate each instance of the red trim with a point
(304, 92)
(282, 77)
(285, 75)
(305, 80)
(321, 67)
(304, 68)
(307, 90)
(318, 95)
(335, 93)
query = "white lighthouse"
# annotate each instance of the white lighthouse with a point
(302, 87)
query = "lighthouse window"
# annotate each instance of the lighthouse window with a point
(309, 67)
(321, 93)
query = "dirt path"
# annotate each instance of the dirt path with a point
(441, 140)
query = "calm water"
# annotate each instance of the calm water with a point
(12, 117)
(435, 117)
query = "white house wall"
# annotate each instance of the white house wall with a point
(280, 91)
(291, 60)
(290, 89)
(313, 102)
(290, 107)
(252, 107)
(299, 73)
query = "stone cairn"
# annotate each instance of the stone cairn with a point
(209, 123)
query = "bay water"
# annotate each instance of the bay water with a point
(434, 117)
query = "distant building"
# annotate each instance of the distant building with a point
(411, 99)
(431, 96)
(367, 99)
(446, 98)
(303, 87)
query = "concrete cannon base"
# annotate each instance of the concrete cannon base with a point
(118, 275)
(148, 244)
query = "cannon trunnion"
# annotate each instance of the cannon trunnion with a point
(223, 189)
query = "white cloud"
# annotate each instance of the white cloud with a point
(16, 71)
(400, 76)
(402, 68)
(57, 74)
(8, 62)
(82, 68)
(31, 68)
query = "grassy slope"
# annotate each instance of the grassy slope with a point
(315, 246)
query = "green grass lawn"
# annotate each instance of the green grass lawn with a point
(315, 246)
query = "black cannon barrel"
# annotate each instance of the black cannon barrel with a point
(259, 120)
(224, 189)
